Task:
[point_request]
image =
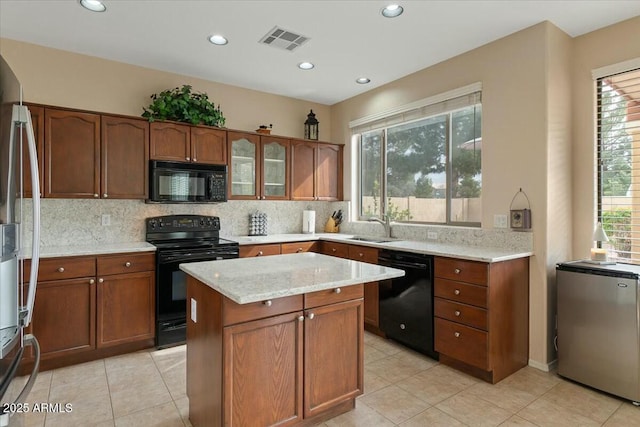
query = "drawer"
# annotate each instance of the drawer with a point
(363, 253)
(461, 292)
(126, 263)
(331, 296)
(462, 313)
(461, 270)
(297, 247)
(259, 250)
(233, 313)
(340, 250)
(462, 342)
(63, 268)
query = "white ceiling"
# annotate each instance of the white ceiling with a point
(349, 39)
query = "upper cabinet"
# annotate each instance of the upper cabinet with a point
(94, 156)
(258, 166)
(316, 171)
(184, 143)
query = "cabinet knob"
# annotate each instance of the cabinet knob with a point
(300, 318)
(105, 195)
(195, 160)
(457, 313)
(268, 303)
(299, 250)
(310, 316)
(60, 269)
(260, 253)
(457, 271)
(360, 254)
(96, 195)
(457, 292)
(100, 280)
(257, 197)
(187, 158)
(456, 334)
(127, 264)
(91, 282)
(333, 249)
(337, 290)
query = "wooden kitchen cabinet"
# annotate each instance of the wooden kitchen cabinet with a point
(259, 250)
(482, 316)
(297, 247)
(37, 119)
(340, 250)
(124, 158)
(183, 143)
(71, 154)
(316, 171)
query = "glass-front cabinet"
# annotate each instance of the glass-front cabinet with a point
(258, 166)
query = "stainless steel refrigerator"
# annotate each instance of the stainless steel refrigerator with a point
(598, 326)
(17, 148)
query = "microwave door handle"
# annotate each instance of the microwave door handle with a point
(210, 179)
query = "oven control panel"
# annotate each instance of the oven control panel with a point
(170, 223)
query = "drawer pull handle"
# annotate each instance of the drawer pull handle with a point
(457, 271)
(260, 253)
(127, 264)
(61, 270)
(456, 334)
(337, 290)
(457, 313)
(300, 318)
(457, 292)
(100, 280)
(268, 303)
(91, 282)
(310, 316)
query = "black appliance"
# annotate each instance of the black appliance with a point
(181, 239)
(180, 182)
(406, 303)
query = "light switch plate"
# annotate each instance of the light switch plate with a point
(500, 221)
(194, 311)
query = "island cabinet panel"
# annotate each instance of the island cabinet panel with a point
(233, 313)
(482, 316)
(263, 372)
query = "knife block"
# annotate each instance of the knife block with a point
(331, 227)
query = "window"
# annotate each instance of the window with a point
(423, 164)
(618, 160)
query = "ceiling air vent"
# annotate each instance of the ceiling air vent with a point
(283, 39)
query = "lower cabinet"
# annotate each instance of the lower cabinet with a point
(277, 248)
(286, 361)
(90, 307)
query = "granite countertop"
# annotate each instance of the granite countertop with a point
(246, 280)
(473, 253)
(97, 249)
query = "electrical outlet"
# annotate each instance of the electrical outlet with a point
(432, 235)
(499, 221)
(106, 220)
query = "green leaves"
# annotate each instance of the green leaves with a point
(182, 105)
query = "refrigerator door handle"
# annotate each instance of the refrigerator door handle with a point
(31, 340)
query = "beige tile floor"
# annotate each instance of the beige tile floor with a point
(402, 388)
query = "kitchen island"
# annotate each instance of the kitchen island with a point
(275, 340)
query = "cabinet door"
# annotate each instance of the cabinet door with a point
(126, 307)
(244, 165)
(208, 145)
(125, 158)
(332, 376)
(64, 317)
(329, 172)
(170, 141)
(303, 164)
(37, 119)
(297, 247)
(72, 154)
(247, 251)
(263, 372)
(275, 167)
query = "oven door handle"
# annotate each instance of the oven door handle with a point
(401, 265)
(195, 258)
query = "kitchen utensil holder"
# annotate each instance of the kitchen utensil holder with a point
(258, 224)
(331, 227)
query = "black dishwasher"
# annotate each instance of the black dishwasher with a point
(406, 303)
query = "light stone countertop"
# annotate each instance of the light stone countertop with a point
(468, 252)
(97, 249)
(246, 280)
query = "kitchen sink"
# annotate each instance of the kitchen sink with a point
(372, 239)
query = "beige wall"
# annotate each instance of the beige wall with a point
(56, 77)
(608, 46)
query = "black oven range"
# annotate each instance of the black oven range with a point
(181, 239)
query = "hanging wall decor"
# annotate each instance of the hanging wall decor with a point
(311, 127)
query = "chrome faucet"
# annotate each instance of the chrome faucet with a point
(386, 224)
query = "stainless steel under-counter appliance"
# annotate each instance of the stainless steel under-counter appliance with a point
(598, 326)
(181, 239)
(406, 303)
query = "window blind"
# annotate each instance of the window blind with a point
(618, 163)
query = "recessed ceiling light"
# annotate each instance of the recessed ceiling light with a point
(305, 65)
(363, 80)
(93, 5)
(218, 39)
(392, 11)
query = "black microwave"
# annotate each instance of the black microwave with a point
(179, 182)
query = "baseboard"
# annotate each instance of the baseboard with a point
(547, 367)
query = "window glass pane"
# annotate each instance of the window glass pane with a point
(466, 165)
(416, 160)
(370, 179)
